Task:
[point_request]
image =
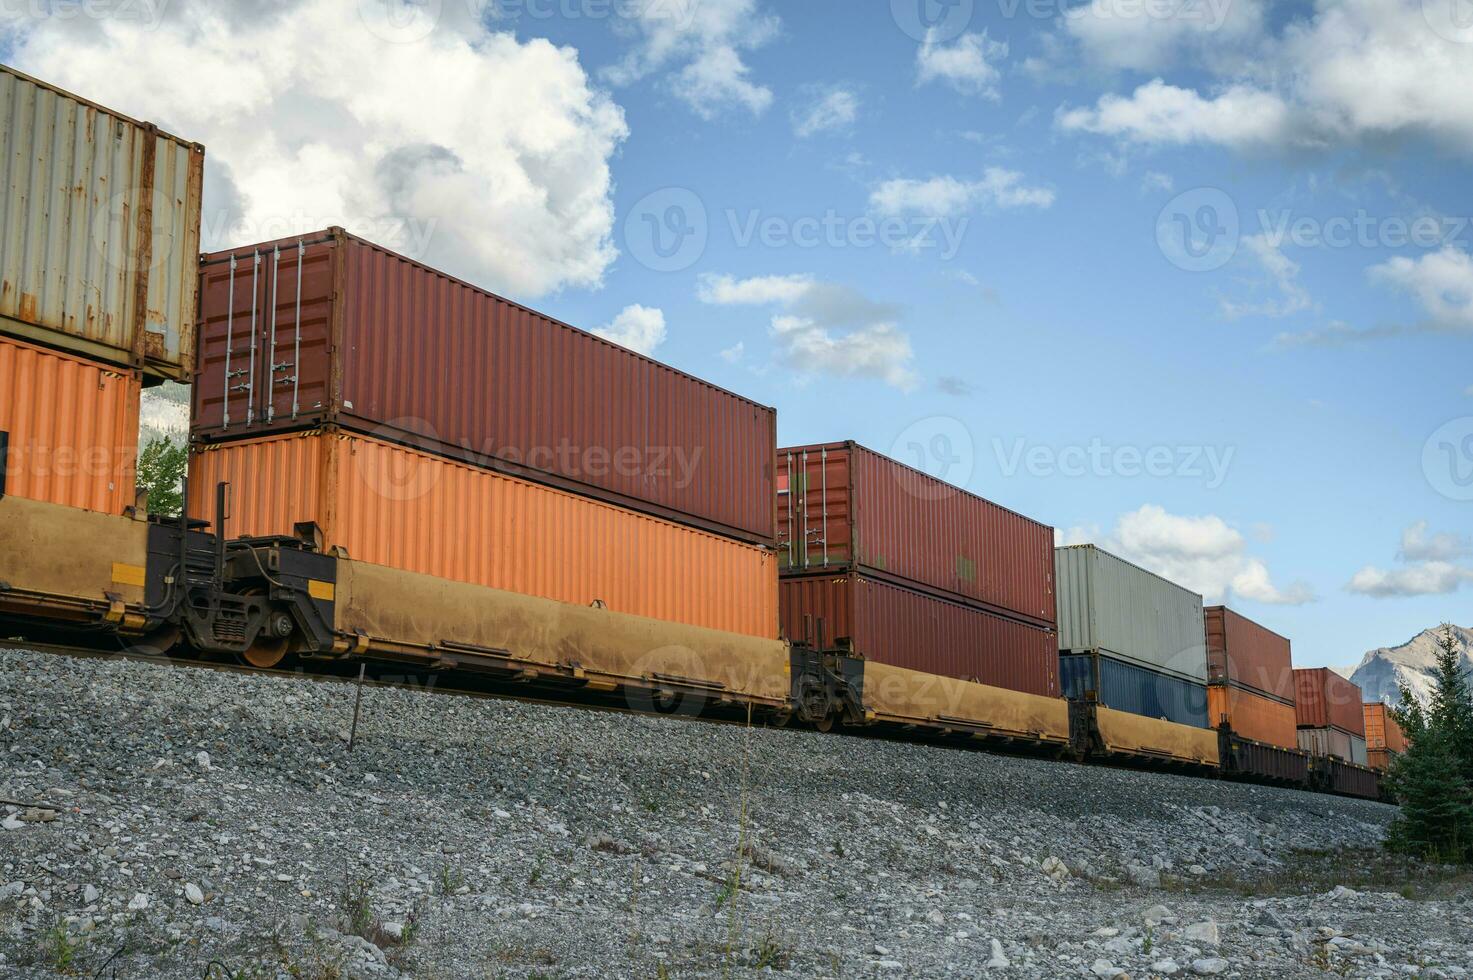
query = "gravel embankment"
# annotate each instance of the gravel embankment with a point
(206, 816)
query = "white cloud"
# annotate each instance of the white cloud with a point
(723, 290)
(640, 328)
(1153, 36)
(1418, 545)
(826, 111)
(706, 37)
(1153, 180)
(824, 328)
(734, 353)
(1158, 113)
(1283, 274)
(1350, 71)
(968, 64)
(1422, 578)
(1441, 282)
(1203, 553)
(948, 196)
(312, 119)
(879, 351)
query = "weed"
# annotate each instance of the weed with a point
(728, 889)
(355, 901)
(537, 866)
(770, 952)
(60, 951)
(839, 849)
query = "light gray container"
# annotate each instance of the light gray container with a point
(1335, 743)
(1108, 605)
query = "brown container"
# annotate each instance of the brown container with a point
(1252, 715)
(348, 333)
(1379, 759)
(843, 506)
(1322, 698)
(1382, 731)
(418, 512)
(1241, 652)
(71, 428)
(890, 624)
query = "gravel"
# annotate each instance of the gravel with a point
(169, 818)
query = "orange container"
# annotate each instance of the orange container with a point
(390, 505)
(72, 428)
(1382, 731)
(1252, 715)
(1379, 759)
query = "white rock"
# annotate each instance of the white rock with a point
(935, 917)
(12, 822)
(1209, 967)
(890, 965)
(1167, 967)
(138, 902)
(1055, 868)
(1340, 891)
(11, 890)
(1144, 876)
(89, 894)
(1105, 969)
(193, 894)
(394, 930)
(999, 959)
(202, 759)
(1204, 932)
(1157, 914)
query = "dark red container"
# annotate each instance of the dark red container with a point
(1241, 652)
(1324, 699)
(842, 506)
(348, 333)
(902, 627)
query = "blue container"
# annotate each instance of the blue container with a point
(1127, 687)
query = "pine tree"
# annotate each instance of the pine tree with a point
(161, 468)
(1434, 778)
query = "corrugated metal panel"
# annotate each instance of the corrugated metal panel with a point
(99, 229)
(1323, 698)
(1353, 780)
(1333, 743)
(73, 428)
(414, 511)
(1108, 605)
(907, 628)
(1242, 652)
(1382, 731)
(1286, 765)
(1252, 715)
(1379, 759)
(1128, 687)
(394, 349)
(841, 505)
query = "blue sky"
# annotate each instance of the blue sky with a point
(1299, 372)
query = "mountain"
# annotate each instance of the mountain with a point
(164, 414)
(1413, 663)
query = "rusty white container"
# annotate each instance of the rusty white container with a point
(99, 230)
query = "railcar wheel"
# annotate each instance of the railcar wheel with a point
(825, 724)
(265, 653)
(162, 642)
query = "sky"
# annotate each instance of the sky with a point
(1190, 279)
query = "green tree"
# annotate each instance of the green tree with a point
(1434, 778)
(161, 468)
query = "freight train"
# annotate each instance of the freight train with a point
(397, 472)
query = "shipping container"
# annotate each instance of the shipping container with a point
(1333, 743)
(1241, 652)
(1379, 759)
(332, 329)
(99, 232)
(841, 506)
(1110, 606)
(1128, 687)
(418, 512)
(1322, 698)
(68, 429)
(889, 624)
(1252, 715)
(1382, 731)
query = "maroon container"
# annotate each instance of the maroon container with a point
(1324, 699)
(348, 333)
(842, 506)
(902, 627)
(1241, 652)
